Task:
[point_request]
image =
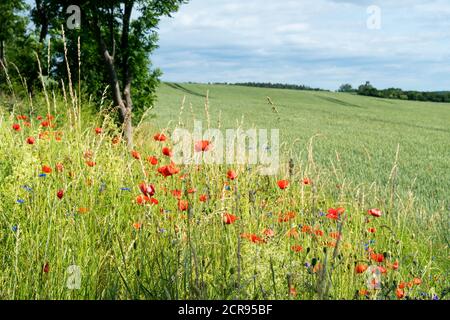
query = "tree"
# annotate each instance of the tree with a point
(117, 38)
(11, 23)
(367, 90)
(346, 88)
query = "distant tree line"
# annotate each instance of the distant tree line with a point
(368, 89)
(276, 86)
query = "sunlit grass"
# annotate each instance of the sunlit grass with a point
(155, 251)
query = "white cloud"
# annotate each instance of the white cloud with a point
(320, 42)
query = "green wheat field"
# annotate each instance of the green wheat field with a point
(358, 210)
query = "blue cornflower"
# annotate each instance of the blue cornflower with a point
(29, 189)
(125, 189)
(42, 175)
(20, 201)
(14, 228)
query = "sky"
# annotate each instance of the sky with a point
(320, 43)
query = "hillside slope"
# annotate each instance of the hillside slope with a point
(356, 136)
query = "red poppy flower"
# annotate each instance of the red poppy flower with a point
(286, 217)
(203, 198)
(141, 199)
(371, 230)
(98, 130)
(395, 265)
(183, 205)
(45, 124)
(21, 117)
(269, 233)
(59, 167)
(400, 293)
(375, 212)
(115, 140)
(137, 225)
(58, 136)
(160, 137)
(252, 237)
(283, 184)
(176, 193)
(46, 268)
(229, 218)
(202, 146)
(39, 118)
(382, 269)
(363, 292)
(136, 155)
(88, 154)
(335, 213)
(169, 170)
(231, 174)
(43, 135)
(90, 163)
(16, 127)
(378, 257)
(307, 229)
(307, 181)
(152, 160)
(31, 140)
(60, 194)
(292, 233)
(147, 189)
(46, 169)
(360, 268)
(318, 232)
(27, 124)
(292, 292)
(335, 235)
(417, 281)
(167, 152)
(297, 248)
(402, 285)
(331, 244)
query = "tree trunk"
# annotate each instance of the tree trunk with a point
(127, 78)
(43, 20)
(2, 51)
(125, 107)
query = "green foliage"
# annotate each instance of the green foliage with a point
(346, 88)
(11, 21)
(131, 47)
(395, 93)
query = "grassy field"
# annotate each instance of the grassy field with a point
(82, 217)
(356, 137)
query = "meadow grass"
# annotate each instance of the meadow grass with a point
(356, 153)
